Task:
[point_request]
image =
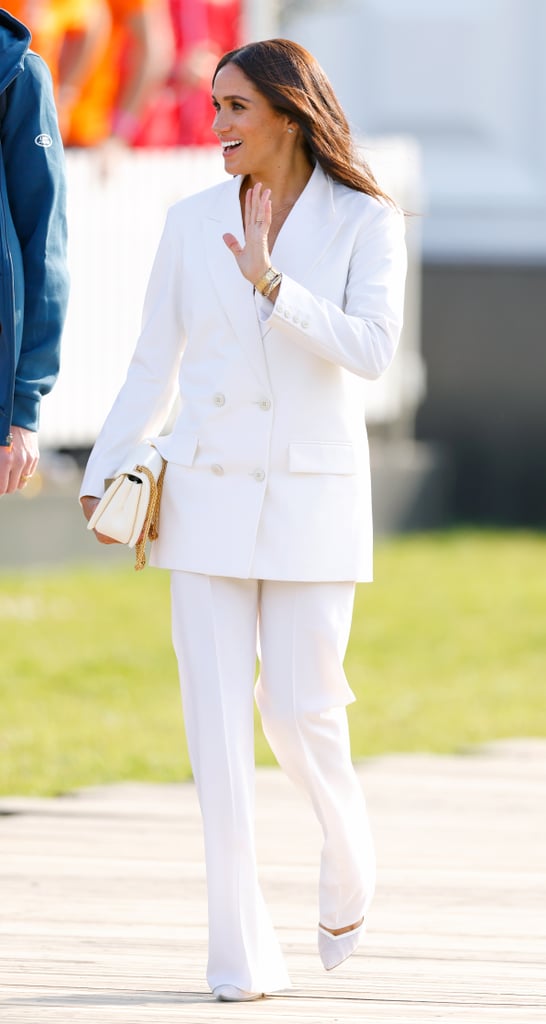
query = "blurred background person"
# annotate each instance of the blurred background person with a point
(85, 32)
(132, 58)
(179, 113)
(134, 71)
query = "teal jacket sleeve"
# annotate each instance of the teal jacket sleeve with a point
(35, 177)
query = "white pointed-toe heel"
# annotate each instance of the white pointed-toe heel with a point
(232, 994)
(334, 949)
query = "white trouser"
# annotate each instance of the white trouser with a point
(302, 691)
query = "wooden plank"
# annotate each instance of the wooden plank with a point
(103, 905)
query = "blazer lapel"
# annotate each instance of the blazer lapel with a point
(308, 230)
(234, 292)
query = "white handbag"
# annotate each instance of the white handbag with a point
(129, 509)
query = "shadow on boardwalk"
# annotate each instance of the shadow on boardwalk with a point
(104, 908)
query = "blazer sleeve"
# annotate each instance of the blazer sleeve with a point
(35, 179)
(145, 400)
(363, 335)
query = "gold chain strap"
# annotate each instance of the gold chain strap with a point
(150, 530)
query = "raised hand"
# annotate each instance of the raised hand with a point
(253, 258)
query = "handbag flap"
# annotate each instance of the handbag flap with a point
(122, 510)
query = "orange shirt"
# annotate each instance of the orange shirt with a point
(49, 21)
(92, 114)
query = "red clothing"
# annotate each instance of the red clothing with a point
(181, 113)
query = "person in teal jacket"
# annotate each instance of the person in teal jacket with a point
(33, 268)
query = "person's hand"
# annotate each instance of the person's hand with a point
(18, 463)
(89, 504)
(253, 259)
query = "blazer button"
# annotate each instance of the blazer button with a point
(305, 324)
(265, 404)
(219, 399)
(259, 475)
(217, 469)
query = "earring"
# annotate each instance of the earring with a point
(291, 130)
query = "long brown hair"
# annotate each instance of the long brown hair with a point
(295, 84)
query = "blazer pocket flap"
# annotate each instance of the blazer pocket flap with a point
(321, 457)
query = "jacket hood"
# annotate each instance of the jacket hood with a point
(14, 43)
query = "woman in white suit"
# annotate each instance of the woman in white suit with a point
(271, 296)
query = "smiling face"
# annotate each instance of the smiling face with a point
(253, 136)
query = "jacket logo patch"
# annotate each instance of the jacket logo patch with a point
(44, 140)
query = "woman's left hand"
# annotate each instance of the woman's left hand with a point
(89, 503)
(253, 258)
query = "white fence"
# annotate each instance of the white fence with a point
(116, 214)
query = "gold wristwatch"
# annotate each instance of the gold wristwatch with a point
(268, 282)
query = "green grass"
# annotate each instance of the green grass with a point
(449, 645)
(448, 649)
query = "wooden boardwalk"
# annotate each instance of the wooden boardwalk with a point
(103, 915)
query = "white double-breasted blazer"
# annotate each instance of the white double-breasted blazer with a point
(268, 470)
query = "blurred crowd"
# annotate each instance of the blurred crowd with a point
(138, 71)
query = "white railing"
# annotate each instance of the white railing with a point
(116, 214)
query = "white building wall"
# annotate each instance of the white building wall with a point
(467, 79)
